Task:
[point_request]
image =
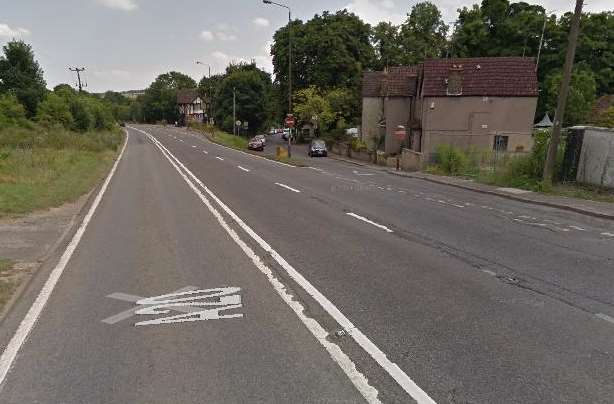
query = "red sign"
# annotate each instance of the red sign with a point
(290, 121)
(400, 134)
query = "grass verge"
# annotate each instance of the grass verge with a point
(43, 170)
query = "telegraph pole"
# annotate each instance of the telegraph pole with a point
(78, 70)
(234, 111)
(563, 92)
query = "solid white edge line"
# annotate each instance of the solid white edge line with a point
(402, 379)
(287, 187)
(364, 219)
(243, 168)
(27, 324)
(345, 363)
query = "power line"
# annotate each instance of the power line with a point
(78, 70)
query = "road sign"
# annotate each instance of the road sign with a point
(290, 121)
(238, 123)
(400, 132)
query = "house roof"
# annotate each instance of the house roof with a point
(489, 76)
(400, 81)
(187, 96)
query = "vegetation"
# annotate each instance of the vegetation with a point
(55, 152)
(8, 282)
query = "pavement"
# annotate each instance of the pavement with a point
(334, 283)
(592, 208)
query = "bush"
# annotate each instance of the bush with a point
(358, 145)
(12, 113)
(451, 160)
(54, 110)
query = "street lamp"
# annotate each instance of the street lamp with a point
(198, 62)
(289, 65)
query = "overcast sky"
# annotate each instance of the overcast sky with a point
(125, 44)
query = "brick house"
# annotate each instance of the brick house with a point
(484, 103)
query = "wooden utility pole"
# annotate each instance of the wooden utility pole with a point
(78, 70)
(559, 115)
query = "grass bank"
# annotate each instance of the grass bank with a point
(238, 143)
(40, 168)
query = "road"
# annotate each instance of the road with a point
(335, 284)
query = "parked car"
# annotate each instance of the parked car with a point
(261, 137)
(255, 144)
(317, 147)
(286, 134)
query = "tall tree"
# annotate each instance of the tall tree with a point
(329, 51)
(21, 75)
(423, 35)
(581, 96)
(160, 99)
(387, 43)
(252, 87)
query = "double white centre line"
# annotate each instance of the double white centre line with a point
(287, 187)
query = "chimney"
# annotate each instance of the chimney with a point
(455, 80)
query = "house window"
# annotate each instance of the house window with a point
(500, 143)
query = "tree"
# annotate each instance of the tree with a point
(329, 51)
(252, 87)
(310, 104)
(160, 99)
(21, 75)
(605, 118)
(54, 110)
(387, 43)
(423, 35)
(581, 96)
(12, 113)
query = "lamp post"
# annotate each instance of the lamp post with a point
(198, 62)
(289, 65)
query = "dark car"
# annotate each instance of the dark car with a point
(255, 144)
(317, 148)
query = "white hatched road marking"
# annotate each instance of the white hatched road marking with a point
(26, 325)
(364, 219)
(406, 383)
(219, 158)
(287, 187)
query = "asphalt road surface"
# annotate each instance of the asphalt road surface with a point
(207, 275)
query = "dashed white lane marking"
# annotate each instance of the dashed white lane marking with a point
(205, 151)
(577, 228)
(181, 140)
(26, 325)
(287, 187)
(605, 317)
(607, 234)
(364, 219)
(243, 168)
(219, 158)
(489, 272)
(359, 173)
(193, 147)
(345, 363)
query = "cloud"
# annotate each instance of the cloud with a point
(207, 35)
(221, 56)
(8, 32)
(220, 35)
(224, 36)
(261, 22)
(374, 11)
(124, 5)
